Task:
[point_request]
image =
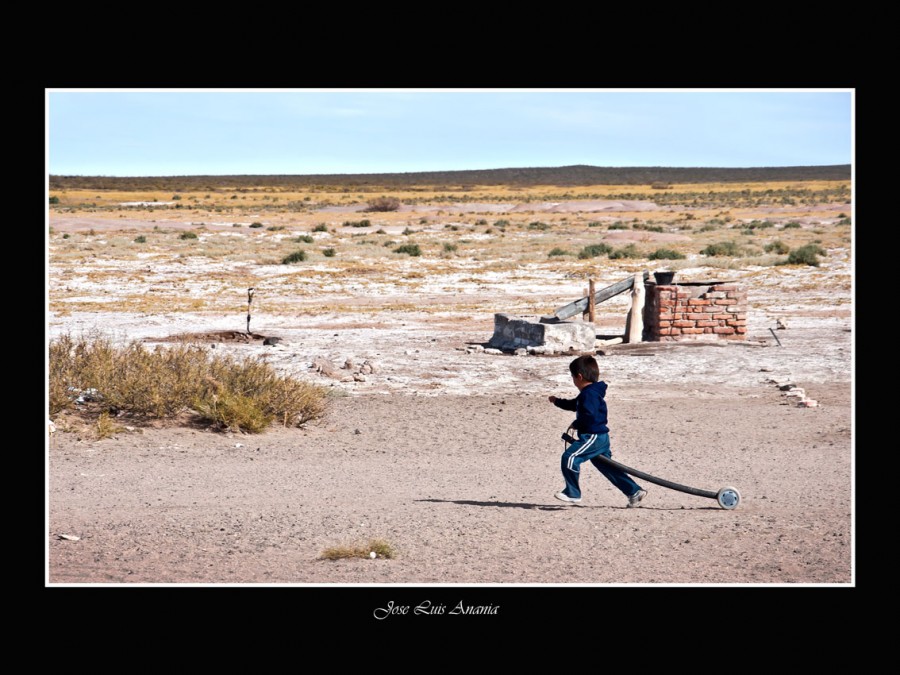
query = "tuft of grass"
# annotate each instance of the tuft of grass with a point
(380, 547)
(619, 225)
(594, 250)
(449, 248)
(328, 252)
(141, 239)
(557, 251)
(165, 382)
(357, 223)
(793, 225)
(296, 256)
(187, 235)
(256, 224)
(106, 427)
(380, 230)
(410, 249)
(408, 231)
(304, 239)
(321, 227)
(275, 228)
(537, 225)
(665, 254)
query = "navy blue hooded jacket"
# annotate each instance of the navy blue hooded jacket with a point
(589, 407)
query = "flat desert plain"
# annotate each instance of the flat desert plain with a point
(447, 453)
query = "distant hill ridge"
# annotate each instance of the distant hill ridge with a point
(523, 177)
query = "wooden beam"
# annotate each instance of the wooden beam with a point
(581, 306)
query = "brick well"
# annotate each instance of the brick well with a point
(695, 310)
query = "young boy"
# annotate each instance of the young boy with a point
(593, 434)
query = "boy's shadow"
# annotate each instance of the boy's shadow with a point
(551, 507)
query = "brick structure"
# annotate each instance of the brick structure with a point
(695, 310)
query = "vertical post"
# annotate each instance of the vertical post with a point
(587, 310)
(634, 323)
(249, 302)
(592, 305)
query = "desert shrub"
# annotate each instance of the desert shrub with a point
(629, 251)
(659, 185)
(409, 249)
(66, 235)
(296, 256)
(537, 225)
(595, 223)
(619, 225)
(844, 221)
(723, 248)
(236, 225)
(384, 204)
(481, 221)
(806, 255)
(321, 227)
(304, 239)
(256, 225)
(777, 246)
(594, 250)
(423, 220)
(665, 254)
(275, 228)
(760, 224)
(450, 248)
(709, 227)
(54, 200)
(648, 228)
(357, 223)
(187, 235)
(380, 231)
(557, 252)
(501, 223)
(791, 225)
(164, 382)
(328, 252)
(140, 239)
(176, 197)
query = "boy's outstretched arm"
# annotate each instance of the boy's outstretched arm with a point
(564, 403)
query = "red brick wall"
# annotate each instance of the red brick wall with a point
(684, 312)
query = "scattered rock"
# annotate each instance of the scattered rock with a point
(808, 403)
(491, 350)
(367, 368)
(358, 377)
(348, 364)
(271, 340)
(781, 324)
(521, 351)
(322, 365)
(68, 537)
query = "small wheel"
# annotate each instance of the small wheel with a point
(728, 497)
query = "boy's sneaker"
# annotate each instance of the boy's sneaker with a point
(636, 498)
(566, 498)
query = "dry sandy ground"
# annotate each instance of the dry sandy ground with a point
(453, 458)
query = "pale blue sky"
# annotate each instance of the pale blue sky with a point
(184, 132)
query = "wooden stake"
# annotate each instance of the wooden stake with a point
(249, 302)
(592, 305)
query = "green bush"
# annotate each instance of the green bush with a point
(187, 235)
(450, 248)
(648, 228)
(594, 250)
(357, 223)
(778, 247)
(806, 255)
(501, 223)
(328, 252)
(410, 249)
(723, 248)
(537, 225)
(176, 197)
(304, 239)
(629, 251)
(558, 251)
(791, 225)
(665, 254)
(141, 239)
(619, 225)
(275, 228)
(595, 223)
(54, 200)
(256, 225)
(296, 256)
(66, 235)
(321, 227)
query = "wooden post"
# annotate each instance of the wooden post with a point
(592, 305)
(587, 310)
(634, 324)
(249, 302)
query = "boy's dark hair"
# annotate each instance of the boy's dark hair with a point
(587, 367)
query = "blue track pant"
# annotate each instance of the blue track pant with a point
(589, 447)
